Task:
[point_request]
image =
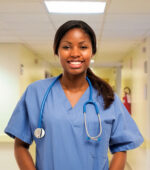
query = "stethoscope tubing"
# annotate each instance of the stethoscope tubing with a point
(44, 101)
(39, 132)
(96, 138)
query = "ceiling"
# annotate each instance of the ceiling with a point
(124, 24)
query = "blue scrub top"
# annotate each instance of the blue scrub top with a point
(65, 145)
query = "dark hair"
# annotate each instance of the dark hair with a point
(100, 85)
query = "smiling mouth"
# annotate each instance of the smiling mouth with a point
(75, 62)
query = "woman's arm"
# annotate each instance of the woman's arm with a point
(118, 161)
(22, 155)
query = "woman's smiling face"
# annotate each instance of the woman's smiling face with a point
(75, 51)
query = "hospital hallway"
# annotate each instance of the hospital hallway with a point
(122, 30)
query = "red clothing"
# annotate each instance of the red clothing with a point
(127, 103)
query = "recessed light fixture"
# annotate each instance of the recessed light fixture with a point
(75, 7)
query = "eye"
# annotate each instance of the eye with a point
(83, 47)
(65, 47)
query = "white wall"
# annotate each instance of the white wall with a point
(134, 76)
(9, 81)
(13, 82)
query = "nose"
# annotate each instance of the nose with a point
(75, 52)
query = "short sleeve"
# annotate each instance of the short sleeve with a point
(125, 134)
(18, 125)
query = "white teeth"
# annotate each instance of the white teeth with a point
(75, 62)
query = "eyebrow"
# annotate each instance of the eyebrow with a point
(71, 43)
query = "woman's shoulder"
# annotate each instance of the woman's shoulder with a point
(117, 99)
(115, 104)
(41, 84)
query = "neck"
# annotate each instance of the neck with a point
(73, 82)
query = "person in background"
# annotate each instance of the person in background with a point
(127, 99)
(81, 118)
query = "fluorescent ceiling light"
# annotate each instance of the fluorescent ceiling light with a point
(75, 7)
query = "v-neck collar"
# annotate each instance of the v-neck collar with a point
(66, 101)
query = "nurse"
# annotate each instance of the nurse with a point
(64, 142)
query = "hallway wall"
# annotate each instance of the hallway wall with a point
(19, 66)
(135, 76)
(9, 80)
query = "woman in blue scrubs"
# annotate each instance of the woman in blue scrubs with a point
(65, 144)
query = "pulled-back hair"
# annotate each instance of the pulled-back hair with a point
(100, 85)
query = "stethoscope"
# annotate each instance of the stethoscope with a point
(40, 132)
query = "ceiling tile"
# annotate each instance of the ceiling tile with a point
(129, 7)
(21, 7)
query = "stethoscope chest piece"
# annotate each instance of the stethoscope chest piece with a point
(39, 133)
